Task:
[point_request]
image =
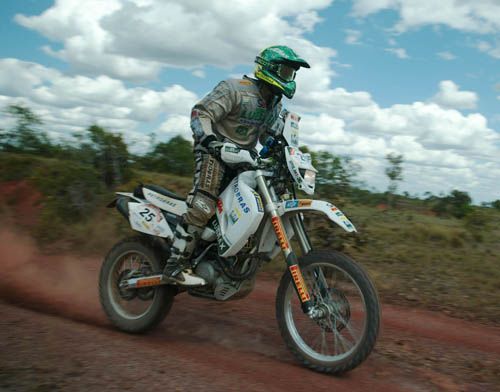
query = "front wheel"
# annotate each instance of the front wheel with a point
(133, 310)
(346, 331)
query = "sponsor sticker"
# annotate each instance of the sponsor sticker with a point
(221, 242)
(159, 197)
(298, 203)
(234, 216)
(305, 202)
(239, 197)
(334, 209)
(231, 149)
(280, 232)
(219, 206)
(258, 200)
(299, 283)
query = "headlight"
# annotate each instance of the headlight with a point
(310, 176)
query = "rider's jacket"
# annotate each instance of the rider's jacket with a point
(234, 110)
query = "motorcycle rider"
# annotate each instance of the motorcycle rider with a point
(239, 111)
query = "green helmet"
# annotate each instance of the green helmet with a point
(277, 65)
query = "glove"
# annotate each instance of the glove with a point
(214, 148)
(211, 144)
(207, 139)
(265, 152)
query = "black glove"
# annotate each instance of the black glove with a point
(214, 148)
(207, 139)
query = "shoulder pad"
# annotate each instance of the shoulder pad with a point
(242, 84)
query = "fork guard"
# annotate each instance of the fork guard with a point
(303, 205)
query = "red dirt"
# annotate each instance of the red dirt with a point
(59, 339)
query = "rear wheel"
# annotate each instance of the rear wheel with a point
(345, 329)
(133, 310)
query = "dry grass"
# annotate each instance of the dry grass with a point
(447, 264)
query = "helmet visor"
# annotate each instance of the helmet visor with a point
(285, 72)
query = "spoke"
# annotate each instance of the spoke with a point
(335, 340)
(338, 294)
(324, 342)
(348, 327)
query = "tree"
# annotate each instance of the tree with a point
(174, 156)
(335, 174)
(25, 136)
(457, 204)
(110, 155)
(395, 173)
(496, 204)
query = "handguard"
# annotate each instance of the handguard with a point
(234, 155)
(333, 213)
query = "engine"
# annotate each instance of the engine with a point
(220, 287)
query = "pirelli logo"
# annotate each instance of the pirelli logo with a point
(299, 283)
(279, 232)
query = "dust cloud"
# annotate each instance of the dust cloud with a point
(65, 285)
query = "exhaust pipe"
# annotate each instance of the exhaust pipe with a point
(146, 281)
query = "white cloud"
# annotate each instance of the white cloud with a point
(199, 73)
(72, 103)
(352, 37)
(399, 52)
(449, 96)
(134, 39)
(450, 148)
(176, 125)
(443, 147)
(491, 49)
(447, 55)
(466, 15)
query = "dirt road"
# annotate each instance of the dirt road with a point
(54, 336)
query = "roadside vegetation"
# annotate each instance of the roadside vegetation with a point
(438, 252)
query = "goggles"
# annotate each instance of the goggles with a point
(285, 72)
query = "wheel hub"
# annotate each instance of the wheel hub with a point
(337, 311)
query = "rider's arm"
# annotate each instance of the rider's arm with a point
(210, 110)
(271, 124)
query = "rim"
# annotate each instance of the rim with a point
(136, 306)
(339, 333)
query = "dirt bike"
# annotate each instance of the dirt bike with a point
(327, 308)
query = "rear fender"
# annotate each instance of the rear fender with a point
(303, 205)
(143, 216)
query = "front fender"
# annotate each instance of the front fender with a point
(303, 205)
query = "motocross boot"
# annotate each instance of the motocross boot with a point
(178, 266)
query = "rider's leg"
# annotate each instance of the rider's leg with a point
(201, 207)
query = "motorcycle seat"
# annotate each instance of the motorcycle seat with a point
(156, 188)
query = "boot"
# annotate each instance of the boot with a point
(178, 267)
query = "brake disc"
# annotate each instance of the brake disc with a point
(339, 306)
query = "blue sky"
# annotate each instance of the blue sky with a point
(387, 76)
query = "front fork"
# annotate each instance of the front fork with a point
(290, 256)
